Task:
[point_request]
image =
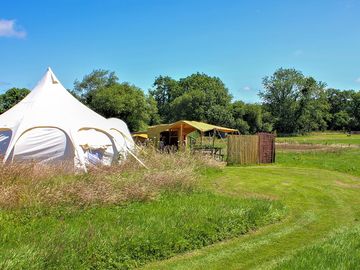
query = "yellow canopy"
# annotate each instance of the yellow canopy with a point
(140, 135)
(203, 127)
(184, 127)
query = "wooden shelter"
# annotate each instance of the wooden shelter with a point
(176, 134)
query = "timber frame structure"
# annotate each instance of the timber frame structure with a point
(177, 133)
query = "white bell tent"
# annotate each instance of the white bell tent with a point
(49, 125)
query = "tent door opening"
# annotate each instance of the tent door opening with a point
(169, 138)
(98, 147)
(44, 145)
(5, 137)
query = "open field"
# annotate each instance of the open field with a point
(341, 160)
(322, 138)
(120, 218)
(301, 213)
(323, 205)
(318, 202)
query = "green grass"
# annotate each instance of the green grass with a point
(322, 138)
(341, 160)
(321, 191)
(340, 251)
(318, 191)
(122, 237)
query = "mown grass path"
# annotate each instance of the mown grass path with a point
(318, 202)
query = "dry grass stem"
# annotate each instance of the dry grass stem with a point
(30, 184)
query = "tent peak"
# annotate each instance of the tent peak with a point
(54, 80)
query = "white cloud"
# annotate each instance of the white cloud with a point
(247, 88)
(8, 28)
(357, 80)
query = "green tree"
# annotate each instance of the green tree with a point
(253, 116)
(196, 97)
(340, 108)
(97, 79)
(355, 112)
(151, 104)
(123, 101)
(165, 90)
(250, 118)
(340, 121)
(313, 109)
(101, 91)
(238, 111)
(11, 97)
(296, 103)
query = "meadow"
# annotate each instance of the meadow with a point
(326, 138)
(120, 218)
(187, 212)
(321, 229)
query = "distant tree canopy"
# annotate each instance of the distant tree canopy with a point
(97, 79)
(203, 98)
(192, 98)
(11, 97)
(296, 103)
(101, 91)
(291, 102)
(344, 109)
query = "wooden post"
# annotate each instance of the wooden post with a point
(181, 140)
(214, 138)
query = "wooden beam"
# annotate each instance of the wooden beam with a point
(181, 139)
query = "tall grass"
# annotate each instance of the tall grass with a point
(118, 217)
(30, 184)
(125, 237)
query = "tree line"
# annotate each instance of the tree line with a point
(291, 103)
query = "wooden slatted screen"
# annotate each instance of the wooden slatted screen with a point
(251, 149)
(243, 149)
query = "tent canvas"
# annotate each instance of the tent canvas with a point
(50, 124)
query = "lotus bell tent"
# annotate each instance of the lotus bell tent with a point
(51, 125)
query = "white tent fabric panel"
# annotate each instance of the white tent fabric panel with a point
(121, 132)
(50, 105)
(92, 138)
(45, 145)
(5, 136)
(119, 141)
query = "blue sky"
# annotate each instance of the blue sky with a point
(238, 41)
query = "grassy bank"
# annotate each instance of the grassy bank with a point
(123, 237)
(322, 138)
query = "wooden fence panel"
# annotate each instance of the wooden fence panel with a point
(266, 147)
(243, 149)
